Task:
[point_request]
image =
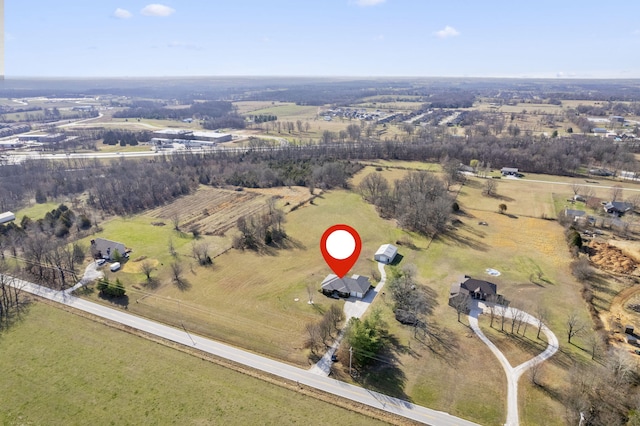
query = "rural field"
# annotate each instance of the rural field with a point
(59, 368)
(258, 301)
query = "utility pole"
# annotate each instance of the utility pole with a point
(350, 356)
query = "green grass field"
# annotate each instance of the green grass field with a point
(59, 368)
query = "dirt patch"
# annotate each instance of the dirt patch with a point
(611, 258)
(158, 223)
(136, 267)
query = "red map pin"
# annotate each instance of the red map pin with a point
(340, 246)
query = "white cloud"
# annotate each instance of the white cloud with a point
(157, 10)
(122, 14)
(447, 32)
(366, 3)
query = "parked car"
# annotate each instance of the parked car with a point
(114, 266)
(101, 262)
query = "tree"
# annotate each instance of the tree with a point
(542, 315)
(490, 186)
(354, 132)
(574, 326)
(373, 186)
(176, 272)
(41, 198)
(147, 268)
(175, 219)
(616, 192)
(503, 208)
(366, 338)
(461, 303)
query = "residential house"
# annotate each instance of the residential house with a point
(617, 208)
(509, 171)
(475, 289)
(106, 249)
(356, 286)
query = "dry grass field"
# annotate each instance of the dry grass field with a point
(60, 368)
(259, 300)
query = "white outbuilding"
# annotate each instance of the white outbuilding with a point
(7, 217)
(386, 253)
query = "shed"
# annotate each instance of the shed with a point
(7, 217)
(386, 253)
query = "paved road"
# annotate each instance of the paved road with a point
(353, 307)
(303, 377)
(513, 373)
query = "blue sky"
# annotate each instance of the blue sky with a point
(489, 38)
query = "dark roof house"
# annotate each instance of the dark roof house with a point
(617, 208)
(106, 249)
(356, 286)
(475, 289)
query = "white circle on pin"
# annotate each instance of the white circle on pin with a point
(340, 244)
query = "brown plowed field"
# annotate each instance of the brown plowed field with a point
(212, 211)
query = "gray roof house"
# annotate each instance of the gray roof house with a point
(356, 286)
(106, 249)
(386, 253)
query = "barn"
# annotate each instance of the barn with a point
(7, 217)
(386, 253)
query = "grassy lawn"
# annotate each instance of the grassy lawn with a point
(36, 211)
(59, 368)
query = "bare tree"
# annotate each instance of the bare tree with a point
(373, 186)
(172, 248)
(314, 339)
(616, 192)
(542, 315)
(176, 272)
(595, 344)
(502, 312)
(461, 304)
(574, 326)
(147, 268)
(175, 219)
(577, 189)
(490, 187)
(535, 371)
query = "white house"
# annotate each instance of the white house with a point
(386, 253)
(7, 217)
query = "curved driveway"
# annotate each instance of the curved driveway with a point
(280, 369)
(513, 373)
